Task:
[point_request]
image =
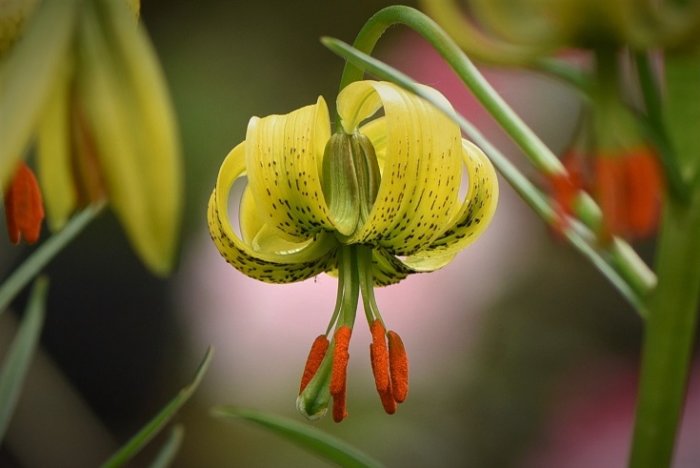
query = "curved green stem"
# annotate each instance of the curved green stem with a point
(526, 189)
(538, 153)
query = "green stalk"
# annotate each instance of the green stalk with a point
(669, 336)
(538, 153)
(655, 129)
(670, 331)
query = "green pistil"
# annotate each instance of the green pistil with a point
(350, 181)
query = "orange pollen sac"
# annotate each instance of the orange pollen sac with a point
(379, 355)
(398, 364)
(24, 207)
(339, 370)
(313, 362)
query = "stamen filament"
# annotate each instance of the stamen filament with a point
(367, 285)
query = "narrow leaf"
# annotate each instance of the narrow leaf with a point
(16, 364)
(170, 448)
(155, 425)
(303, 435)
(43, 255)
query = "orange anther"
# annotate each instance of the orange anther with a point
(24, 208)
(379, 355)
(339, 408)
(398, 364)
(313, 362)
(339, 370)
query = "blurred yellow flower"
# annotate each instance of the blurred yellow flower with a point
(83, 79)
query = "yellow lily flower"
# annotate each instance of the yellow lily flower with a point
(372, 203)
(82, 79)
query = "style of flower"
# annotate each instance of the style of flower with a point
(372, 203)
(80, 78)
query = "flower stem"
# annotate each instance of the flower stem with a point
(538, 153)
(670, 330)
(656, 131)
(669, 336)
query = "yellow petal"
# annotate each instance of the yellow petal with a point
(26, 75)
(470, 221)
(284, 155)
(266, 263)
(387, 269)
(421, 171)
(54, 152)
(129, 111)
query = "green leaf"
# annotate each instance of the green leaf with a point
(43, 255)
(16, 364)
(169, 450)
(27, 76)
(303, 435)
(155, 425)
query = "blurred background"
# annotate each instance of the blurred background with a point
(521, 355)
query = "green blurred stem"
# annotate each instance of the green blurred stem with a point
(678, 188)
(578, 235)
(44, 254)
(670, 331)
(19, 357)
(669, 337)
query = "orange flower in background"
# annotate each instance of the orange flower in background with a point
(628, 187)
(564, 189)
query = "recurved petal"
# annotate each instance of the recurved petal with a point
(421, 173)
(387, 269)
(470, 221)
(284, 156)
(54, 153)
(265, 259)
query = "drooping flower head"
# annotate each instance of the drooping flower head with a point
(376, 201)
